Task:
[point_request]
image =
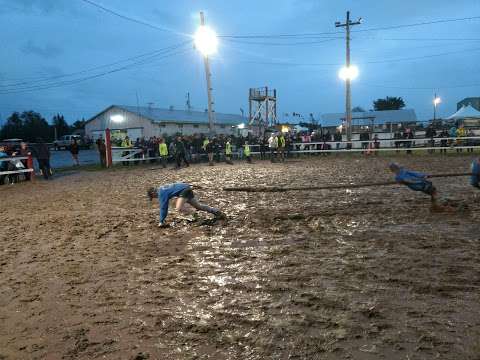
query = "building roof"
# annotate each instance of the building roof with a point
(364, 117)
(466, 112)
(181, 116)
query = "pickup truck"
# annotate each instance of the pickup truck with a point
(66, 140)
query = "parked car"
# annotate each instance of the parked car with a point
(66, 140)
(12, 145)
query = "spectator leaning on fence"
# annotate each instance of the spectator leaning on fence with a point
(42, 153)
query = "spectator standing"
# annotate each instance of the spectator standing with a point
(376, 144)
(430, 134)
(102, 152)
(42, 153)
(163, 151)
(127, 144)
(281, 147)
(180, 152)
(470, 142)
(444, 140)
(461, 132)
(74, 150)
(338, 138)
(273, 145)
(263, 147)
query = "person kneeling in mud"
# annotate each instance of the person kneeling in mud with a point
(184, 194)
(475, 177)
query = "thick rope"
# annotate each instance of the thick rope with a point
(327, 187)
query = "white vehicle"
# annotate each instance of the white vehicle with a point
(66, 140)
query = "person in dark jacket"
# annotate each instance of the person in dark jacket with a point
(74, 150)
(180, 152)
(42, 153)
(102, 151)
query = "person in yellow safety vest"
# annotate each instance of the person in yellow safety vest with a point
(281, 147)
(461, 132)
(163, 150)
(126, 143)
(246, 152)
(228, 152)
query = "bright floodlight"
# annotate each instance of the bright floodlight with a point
(117, 118)
(437, 101)
(348, 73)
(241, 126)
(206, 40)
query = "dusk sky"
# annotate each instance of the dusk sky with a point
(43, 41)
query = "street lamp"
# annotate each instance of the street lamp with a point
(348, 73)
(206, 42)
(436, 101)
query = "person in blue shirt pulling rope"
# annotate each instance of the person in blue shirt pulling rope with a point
(184, 195)
(415, 181)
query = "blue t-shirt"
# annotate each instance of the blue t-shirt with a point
(165, 193)
(475, 178)
(414, 180)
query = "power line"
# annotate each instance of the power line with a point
(356, 31)
(365, 62)
(50, 78)
(128, 18)
(76, 81)
(284, 44)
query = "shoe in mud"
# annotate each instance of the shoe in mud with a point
(220, 215)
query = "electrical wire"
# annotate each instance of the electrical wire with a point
(25, 81)
(129, 18)
(79, 80)
(441, 21)
(365, 62)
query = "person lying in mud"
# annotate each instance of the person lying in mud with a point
(418, 182)
(184, 194)
(475, 177)
(415, 181)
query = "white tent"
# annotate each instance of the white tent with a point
(466, 112)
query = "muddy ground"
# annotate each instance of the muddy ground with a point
(346, 274)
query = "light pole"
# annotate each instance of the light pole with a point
(436, 101)
(206, 42)
(348, 73)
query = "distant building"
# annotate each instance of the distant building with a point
(473, 101)
(377, 121)
(138, 122)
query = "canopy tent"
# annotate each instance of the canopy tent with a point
(466, 112)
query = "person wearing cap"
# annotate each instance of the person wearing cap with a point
(475, 177)
(415, 181)
(183, 194)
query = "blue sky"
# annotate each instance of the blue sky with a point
(50, 38)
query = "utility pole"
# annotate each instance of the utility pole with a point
(348, 102)
(211, 111)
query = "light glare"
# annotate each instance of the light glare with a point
(348, 73)
(206, 40)
(437, 101)
(117, 118)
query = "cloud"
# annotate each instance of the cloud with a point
(48, 51)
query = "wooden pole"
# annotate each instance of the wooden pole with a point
(328, 187)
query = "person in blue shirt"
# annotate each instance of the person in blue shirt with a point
(184, 194)
(475, 177)
(415, 181)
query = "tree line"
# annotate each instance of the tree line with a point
(31, 125)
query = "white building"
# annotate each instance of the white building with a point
(137, 122)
